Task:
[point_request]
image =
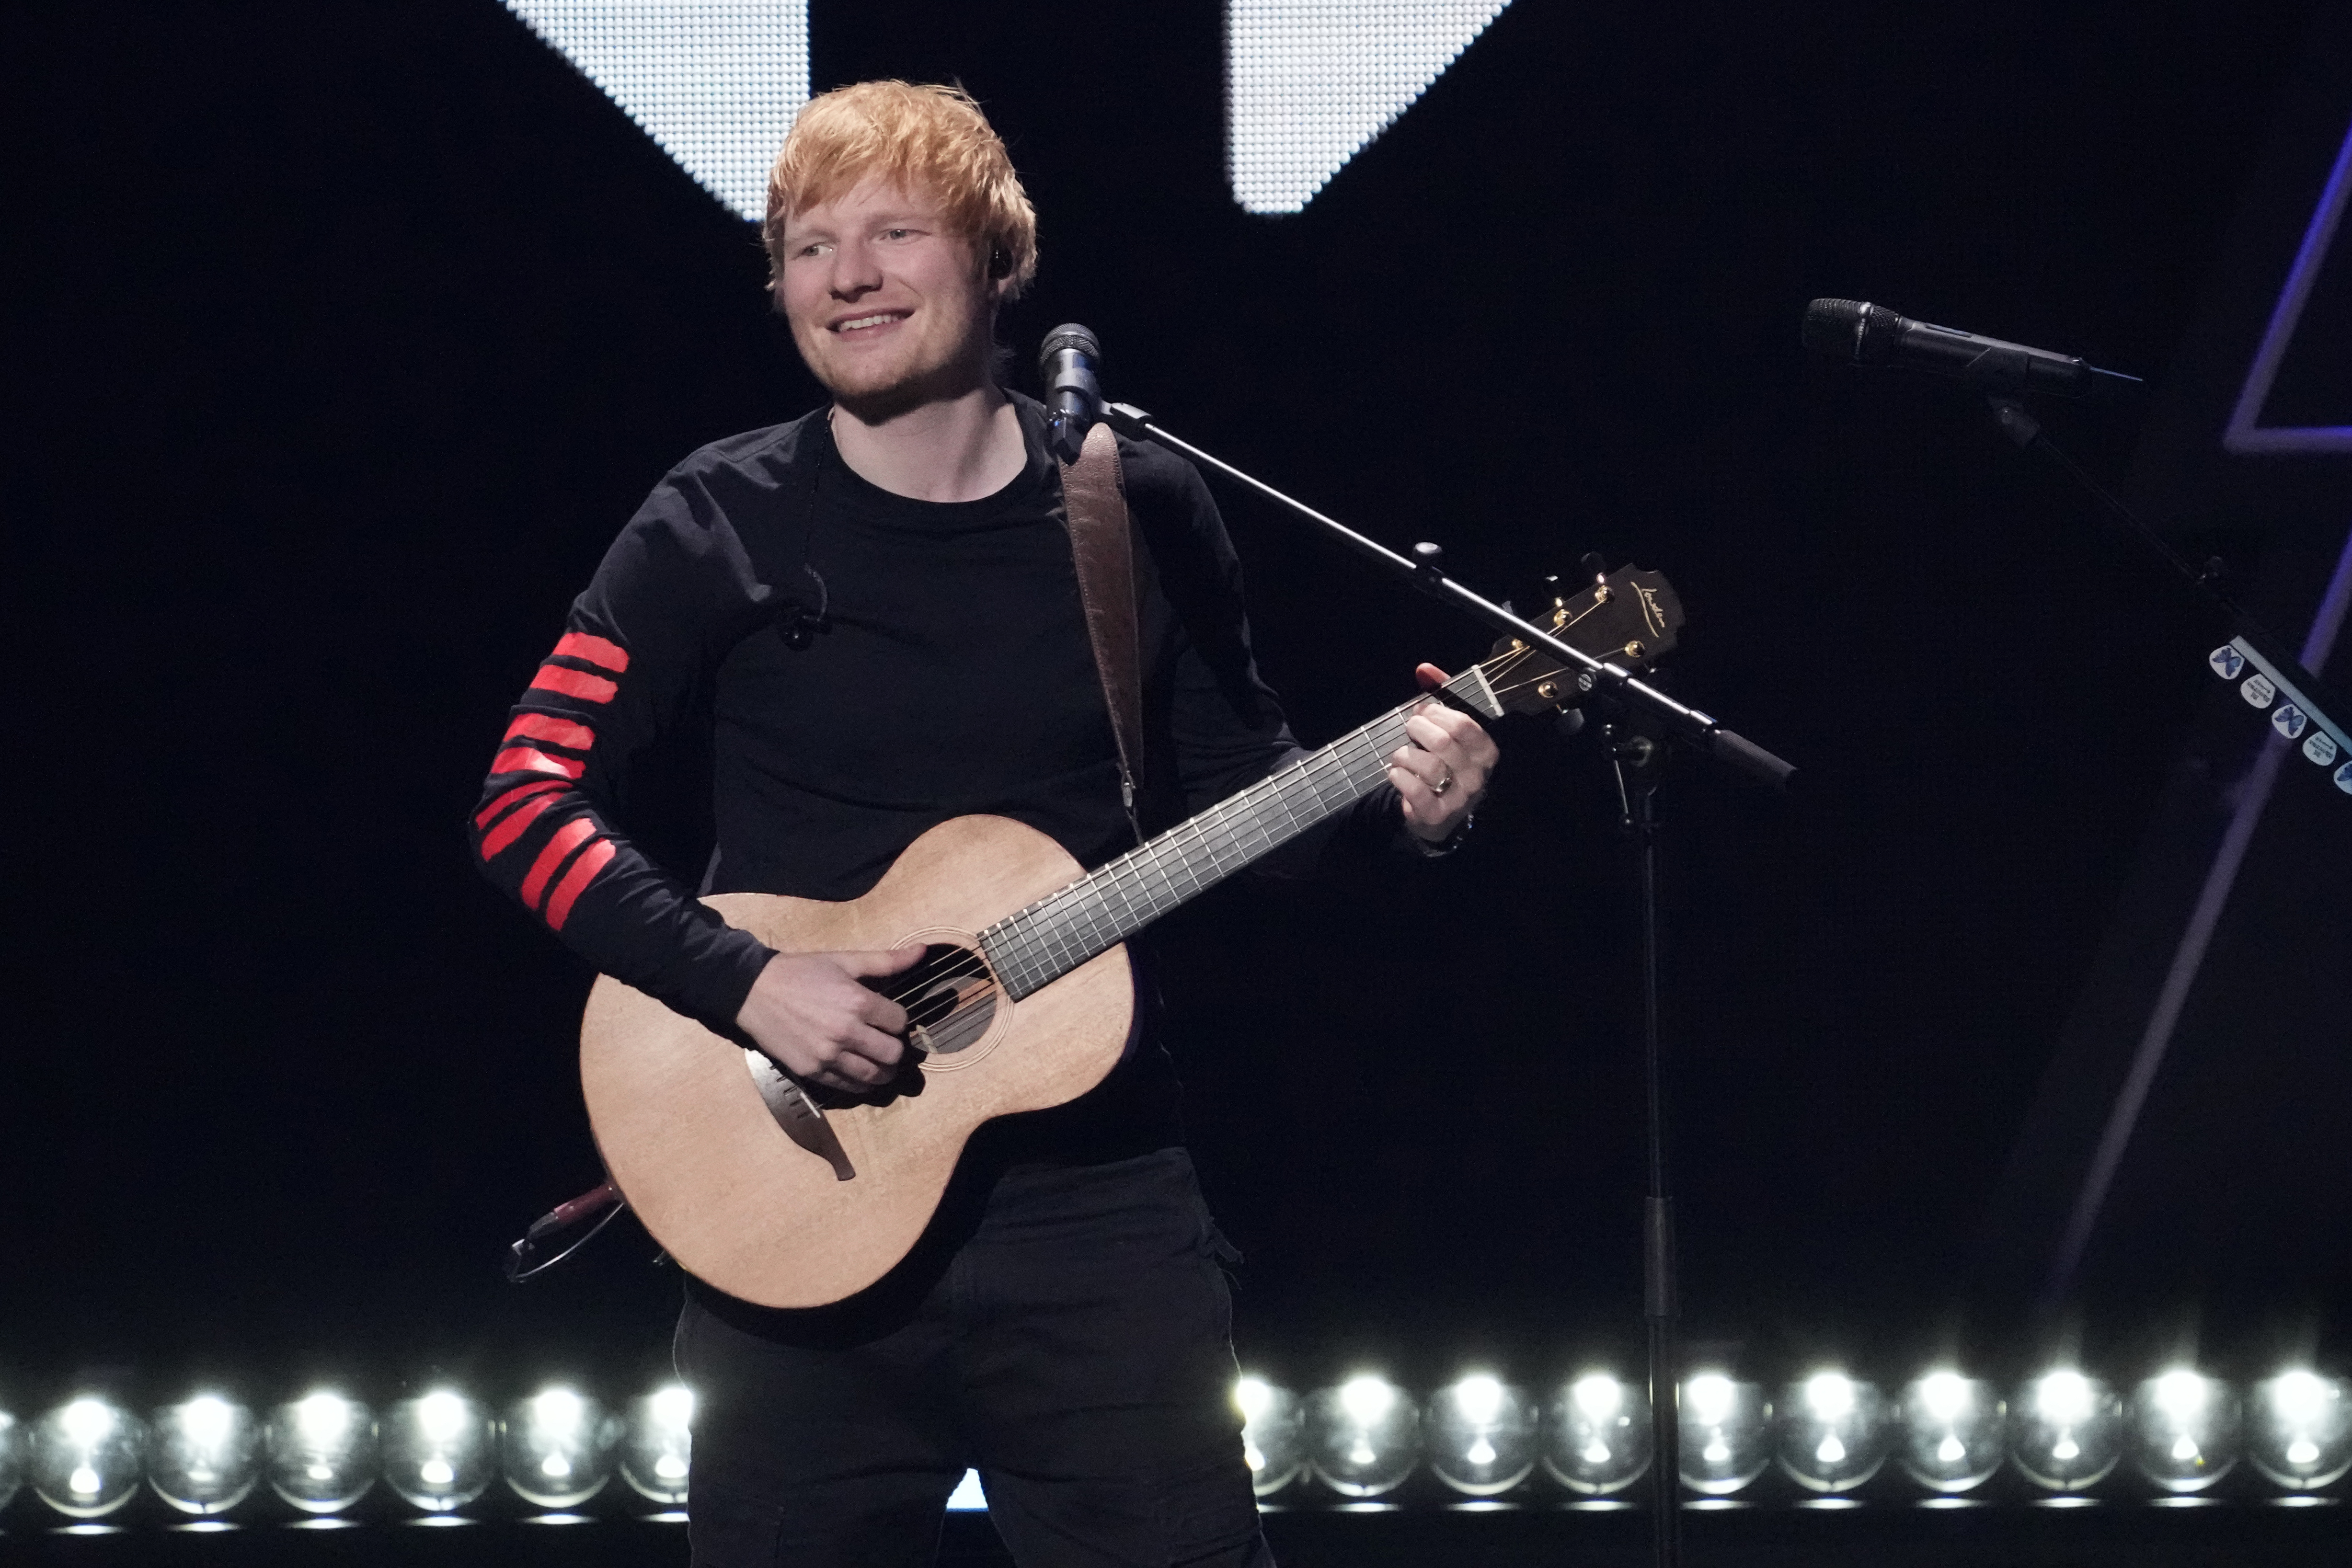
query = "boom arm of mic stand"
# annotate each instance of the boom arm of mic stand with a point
(1702, 732)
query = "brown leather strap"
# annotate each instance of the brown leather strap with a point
(1102, 542)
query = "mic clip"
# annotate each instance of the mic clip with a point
(1066, 427)
(796, 623)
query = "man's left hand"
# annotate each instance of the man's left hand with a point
(1441, 772)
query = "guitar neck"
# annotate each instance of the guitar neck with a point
(1030, 949)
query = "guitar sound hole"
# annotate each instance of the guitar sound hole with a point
(950, 998)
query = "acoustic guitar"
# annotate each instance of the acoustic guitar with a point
(1022, 998)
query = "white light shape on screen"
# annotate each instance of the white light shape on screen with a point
(1310, 83)
(715, 83)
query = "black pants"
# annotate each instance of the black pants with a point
(1066, 1330)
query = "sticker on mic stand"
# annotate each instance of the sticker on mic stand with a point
(2321, 747)
(2257, 689)
(2343, 779)
(2289, 720)
(2226, 661)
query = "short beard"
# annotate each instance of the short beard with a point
(879, 405)
(982, 364)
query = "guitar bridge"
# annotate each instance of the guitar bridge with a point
(798, 1115)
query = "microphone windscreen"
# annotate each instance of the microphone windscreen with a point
(1068, 335)
(1829, 325)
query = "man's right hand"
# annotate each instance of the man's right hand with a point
(808, 1012)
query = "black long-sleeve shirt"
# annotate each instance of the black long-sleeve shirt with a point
(950, 673)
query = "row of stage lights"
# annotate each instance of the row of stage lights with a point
(323, 1452)
(2064, 1432)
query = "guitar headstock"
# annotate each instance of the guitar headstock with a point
(1629, 618)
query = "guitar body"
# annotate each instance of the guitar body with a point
(756, 1190)
(740, 1204)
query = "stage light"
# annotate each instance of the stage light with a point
(1955, 1431)
(2066, 1431)
(2186, 1430)
(1274, 1436)
(12, 1458)
(1726, 1433)
(322, 1452)
(1833, 1432)
(557, 1450)
(659, 1448)
(86, 1458)
(2302, 1436)
(439, 1450)
(1363, 1437)
(204, 1454)
(1596, 1435)
(1480, 1435)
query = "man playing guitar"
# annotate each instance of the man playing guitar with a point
(873, 612)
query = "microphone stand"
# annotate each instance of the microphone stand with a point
(1703, 733)
(1637, 756)
(1637, 760)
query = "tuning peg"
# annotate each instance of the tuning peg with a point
(1596, 565)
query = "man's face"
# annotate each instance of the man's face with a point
(887, 305)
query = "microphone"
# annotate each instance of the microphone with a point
(1874, 335)
(1066, 363)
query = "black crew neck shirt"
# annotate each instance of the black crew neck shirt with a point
(948, 675)
(952, 676)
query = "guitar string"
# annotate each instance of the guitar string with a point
(1223, 828)
(1228, 835)
(1071, 925)
(1215, 831)
(1213, 834)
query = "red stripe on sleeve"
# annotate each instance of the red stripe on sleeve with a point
(507, 831)
(573, 684)
(548, 727)
(593, 649)
(592, 858)
(567, 839)
(482, 818)
(523, 759)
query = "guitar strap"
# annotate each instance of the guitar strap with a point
(1102, 544)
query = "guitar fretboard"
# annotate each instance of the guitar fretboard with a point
(1053, 936)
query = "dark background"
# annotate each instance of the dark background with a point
(346, 336)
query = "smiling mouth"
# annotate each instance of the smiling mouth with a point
(867, 323)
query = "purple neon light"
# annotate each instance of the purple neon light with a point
(2253, 796)
(2244, 434)
(2253, 793)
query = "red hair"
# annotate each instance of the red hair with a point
(921, 138)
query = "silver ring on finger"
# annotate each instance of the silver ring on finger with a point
(1443, 785)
